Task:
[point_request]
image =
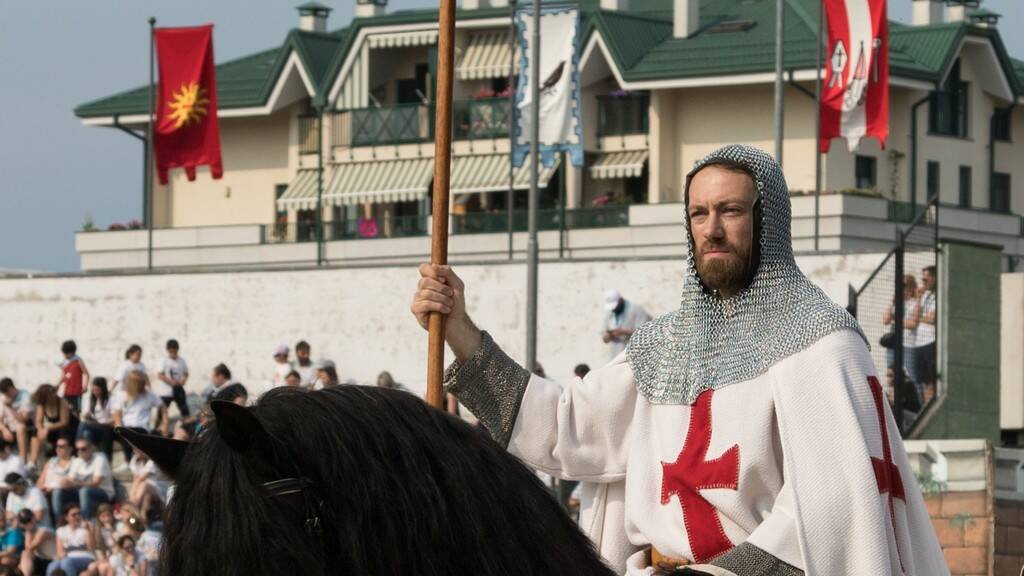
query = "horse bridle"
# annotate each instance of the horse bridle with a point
(312, 502)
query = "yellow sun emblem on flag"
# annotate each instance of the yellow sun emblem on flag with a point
(188, 105)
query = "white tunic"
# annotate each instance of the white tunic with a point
(782, 461)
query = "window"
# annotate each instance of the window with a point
(947, 109)
(932, 185)
(866, 169)
(1000, 200)
(965, 187)
(1001, 124)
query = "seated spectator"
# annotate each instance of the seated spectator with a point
(55, 472)
(19, 415)
(150, 541)
(133, 406)
(104, 531)
(149, 484)
(90, 481)
(293, 379)
(127, 559)
(385, 380)
(12, 543)
(97, 425)
(75, 547)
(40, 546)
(54, 419)
(25, 496)
(128, 516)
(326, 375)
(219, 378)
(9, 462)
(233, 393)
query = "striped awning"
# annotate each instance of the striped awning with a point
(489, 173)
(379, 181)
(403, 39)
(629, 164)
(488, 55)
(301, 192)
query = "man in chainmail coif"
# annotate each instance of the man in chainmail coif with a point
(745, 433)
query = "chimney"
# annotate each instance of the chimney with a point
(370, 8)
(959, 12)
(313, 17)
(927, 12)
(617, 5)
(474, 4)
(685, 17)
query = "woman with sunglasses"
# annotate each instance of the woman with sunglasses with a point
(55, 471)
(75, 546)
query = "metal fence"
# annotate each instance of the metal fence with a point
(897, 308)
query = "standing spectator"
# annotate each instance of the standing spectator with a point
(910, 315)
(74, 376)
(97, 423)
(622, 319)
(149, 484)
(281, 365)
(174, 374)
(132, 363)
(12, 543)
(90, 480)
(9, 462)
(19, 416)
(326, 375)
(55, 472)
(127, 559)
(25, 496)
(303, 364)
(219, 378)
(924, 351)
(293, 379)
(75, 546)
(133, 408)
(54, 419)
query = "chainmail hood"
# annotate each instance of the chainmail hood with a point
(709, 343)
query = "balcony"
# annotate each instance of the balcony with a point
(580, 218)
(481, 119)
(385, 125)
(622, 114)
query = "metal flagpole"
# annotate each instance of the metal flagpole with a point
(817, 124)
(779, 20)
(531, 266)
(510, 200)
(442, 174)
(147, 197)
(320, 185)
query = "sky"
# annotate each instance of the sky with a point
(56, 173)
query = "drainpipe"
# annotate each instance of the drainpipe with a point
(913, 152)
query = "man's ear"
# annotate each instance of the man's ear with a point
(166, 453)
(243, 433)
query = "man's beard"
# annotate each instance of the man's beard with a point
(724, 273)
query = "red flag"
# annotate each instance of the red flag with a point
(855, 97)
(187, 133)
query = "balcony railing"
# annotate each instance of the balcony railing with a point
(482, 119)
(309, 141)
(490, 222)
(399, 124)
(369, 228)
(622, 114)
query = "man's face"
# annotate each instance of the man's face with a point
(302, 354)
(721, 206)
(84, 450)
(18, 488)
(928, 279)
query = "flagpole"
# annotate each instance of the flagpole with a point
(442, 174)
(510, 200)
(779, 20)
(817, 126)
(531, 267)
(147, 197)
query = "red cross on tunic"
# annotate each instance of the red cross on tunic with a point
(887, 474)
(691, 473)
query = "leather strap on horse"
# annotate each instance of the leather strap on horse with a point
(660, 560)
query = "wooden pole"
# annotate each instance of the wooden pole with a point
(442, 173)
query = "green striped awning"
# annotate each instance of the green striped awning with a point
(379, 181)
(627, 164)
(489, 173)
(488, 55)
(301, 192)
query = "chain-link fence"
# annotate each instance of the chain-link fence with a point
(897, 309)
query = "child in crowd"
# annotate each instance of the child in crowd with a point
(74, 376)
(173, 375)
(132, 363)
(12, 543)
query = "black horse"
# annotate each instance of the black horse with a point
(361, 481)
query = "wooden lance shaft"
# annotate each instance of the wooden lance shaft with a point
(442, 173)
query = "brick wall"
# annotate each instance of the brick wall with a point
(1009, 533)
(963, 524)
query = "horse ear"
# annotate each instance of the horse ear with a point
(241, 430)
(165, 452)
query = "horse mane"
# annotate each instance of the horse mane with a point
(407, 489)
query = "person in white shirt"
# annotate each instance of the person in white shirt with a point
(304, 364)
(9, 462)
(281, 366)
(924, 341)
(97, 424)
(621, 320)
(25, 496)
(55, 471)
(90, 480)
(127, 559)
(133, 408)
(75, 545)
(19, 415)
(132, 363)
(173, 375)
(149, 483)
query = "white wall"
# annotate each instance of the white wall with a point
(357, 316)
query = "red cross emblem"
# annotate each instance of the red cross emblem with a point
(887, 474)
(691, 473)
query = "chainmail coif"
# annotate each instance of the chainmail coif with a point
(709, 343)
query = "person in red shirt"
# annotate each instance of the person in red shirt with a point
(74, 376)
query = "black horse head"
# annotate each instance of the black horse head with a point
(357, 480)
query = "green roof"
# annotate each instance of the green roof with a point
(640, 41)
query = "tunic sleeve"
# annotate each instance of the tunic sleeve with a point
(579, 431)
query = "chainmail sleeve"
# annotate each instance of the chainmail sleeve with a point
(749, 560)
(491, 385)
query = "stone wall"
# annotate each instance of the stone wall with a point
(963, 524)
